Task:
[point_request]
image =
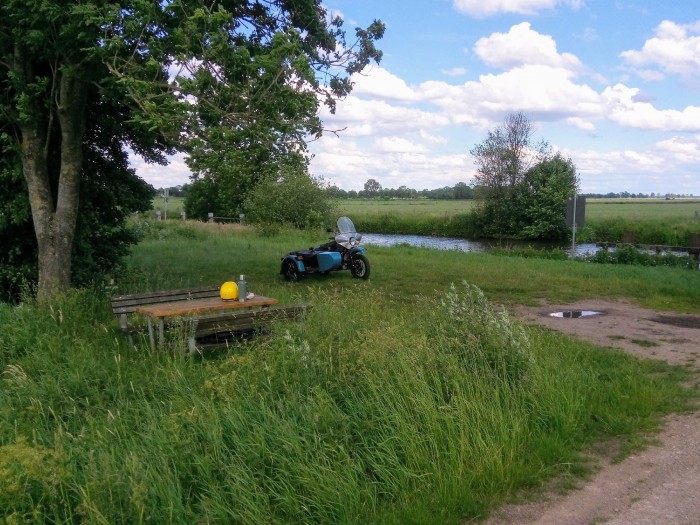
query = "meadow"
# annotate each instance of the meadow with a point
(414, 397)
(654, 221)
(596, 209)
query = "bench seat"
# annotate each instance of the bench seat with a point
(240, 322)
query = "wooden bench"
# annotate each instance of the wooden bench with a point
(126, 305)
(234, 323)
(200, 325)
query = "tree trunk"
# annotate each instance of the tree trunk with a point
(55, 218)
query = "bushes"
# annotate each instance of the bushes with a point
(294, 199)
(632, 255)
(653, 232)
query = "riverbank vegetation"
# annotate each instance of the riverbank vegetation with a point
(376, 409)
(653, 221)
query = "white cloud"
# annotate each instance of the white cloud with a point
(675, 49)
(176, 173)
(532, 89)
(430, 138)
(377, 81)
(419, 135)
(454, 72)
(484, 8)
(361, 117)
(682, 149)
(640, 170)
(624, 110)
(523, 46)
(580, 123)
(393, 161)
(398, 145)
(649, 75)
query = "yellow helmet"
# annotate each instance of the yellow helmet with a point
(229, 291)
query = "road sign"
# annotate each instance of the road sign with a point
(576, 209)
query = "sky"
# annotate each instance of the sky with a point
(613, 85)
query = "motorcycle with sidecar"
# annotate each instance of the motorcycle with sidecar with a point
(343, 252)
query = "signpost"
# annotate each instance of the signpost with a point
(575, 216)
(165, 202)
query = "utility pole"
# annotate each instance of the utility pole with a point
(573, 229)
(165, 202)
(575, 217)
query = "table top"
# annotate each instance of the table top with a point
(198, 306)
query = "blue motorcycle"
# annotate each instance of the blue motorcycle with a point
(343, 252)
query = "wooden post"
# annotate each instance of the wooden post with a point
(695, 243)
(628, 237)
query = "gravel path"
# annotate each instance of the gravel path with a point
(661, 484)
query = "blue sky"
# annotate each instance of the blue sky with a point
(614, 85)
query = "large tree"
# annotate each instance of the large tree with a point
(540, 199)
(183, 71)
(502, 160)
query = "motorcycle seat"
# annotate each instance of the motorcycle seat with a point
(307, 256)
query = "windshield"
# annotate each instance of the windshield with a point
(345, 225)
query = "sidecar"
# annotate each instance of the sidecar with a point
(343, 252)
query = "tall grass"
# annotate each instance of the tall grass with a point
(391, 403)
(665, 232)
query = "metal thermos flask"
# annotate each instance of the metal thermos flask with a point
(242, 288)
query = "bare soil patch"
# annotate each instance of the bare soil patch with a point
(659, 485)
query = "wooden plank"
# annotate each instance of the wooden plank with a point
(234, 321)
(129, 303)
(183, 291)
(203, 305)
(239, 322)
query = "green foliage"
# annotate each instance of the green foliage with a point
(530, 252)
(621, 255)
(478, 331)
(237, 85)
(540, 200)
(375, 409)
(632, 255)
(109, 193)
(262, 94)
(18, 256)
(517, 200)
(662, 232)
(203, 199)
(293, 198)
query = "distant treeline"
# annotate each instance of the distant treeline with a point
(461, 190)
(627, 195)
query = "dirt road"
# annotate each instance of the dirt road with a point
(661, 484)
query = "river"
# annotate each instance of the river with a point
(464, 245)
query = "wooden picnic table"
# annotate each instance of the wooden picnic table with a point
(160, 311)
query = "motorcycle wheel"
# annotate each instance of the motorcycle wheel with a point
(359, 266)
(290, 271)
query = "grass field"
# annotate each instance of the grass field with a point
(596, 209)
(399, 400)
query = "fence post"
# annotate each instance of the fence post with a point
(628, 237)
